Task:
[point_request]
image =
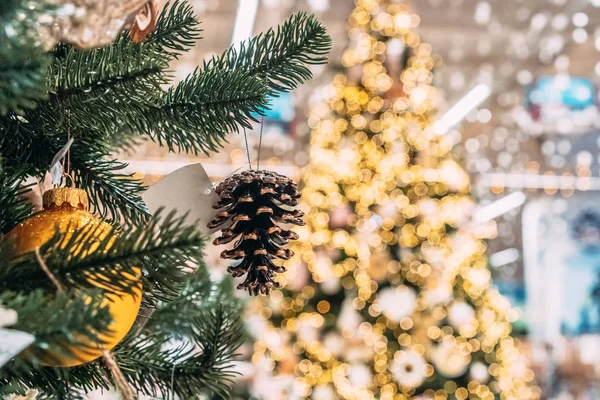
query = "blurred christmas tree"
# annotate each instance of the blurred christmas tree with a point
(391, 294)
(71, 284)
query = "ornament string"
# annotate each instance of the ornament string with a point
(249, 165)
(260, 136)
(247, 148)
(173, 380)
(109, 360)
(69, 138)
(47, 271)
(262, 126)
(119, 378)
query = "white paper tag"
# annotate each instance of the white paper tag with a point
(189, 189)
(12, 343)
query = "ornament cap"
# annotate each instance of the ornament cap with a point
(56, 198)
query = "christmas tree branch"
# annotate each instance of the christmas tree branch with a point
(22, 60)
(197, 114)
(155, 370)
(177, 28)
(122, 83)
(127, 142)
(22, 75)
(111, 191)
(200, 365)
(114, 97)
(280, 57)
(14, 207)
(92, 257)
(55, 383)
(68, 393)
(69, 319)
(183, 308)
(102, 86)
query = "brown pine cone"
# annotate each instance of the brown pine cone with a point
(252, 204)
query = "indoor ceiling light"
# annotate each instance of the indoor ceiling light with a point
(244, 20)
(499, 207)
(460, 110)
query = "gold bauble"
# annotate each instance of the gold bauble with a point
(66, 208)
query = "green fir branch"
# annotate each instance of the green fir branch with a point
(22, 77)
(68, 393)
(105, 86)
(126, 142)
(114, 97)
(69, 320)
(101, 87)
(54, 383)
(14, 207)
(177, 315)
(15, 137)
(281, 56)
(23, 62)
(156, 371)
(177, 28)
(200, 366)
(92, 257)
(197, 114)
(111, 191)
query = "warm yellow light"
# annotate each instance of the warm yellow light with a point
(385, 206)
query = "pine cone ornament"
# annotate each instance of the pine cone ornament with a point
(252, 204)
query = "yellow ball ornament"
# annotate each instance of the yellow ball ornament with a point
(66, 208)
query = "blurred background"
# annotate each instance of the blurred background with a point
(521, 76)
